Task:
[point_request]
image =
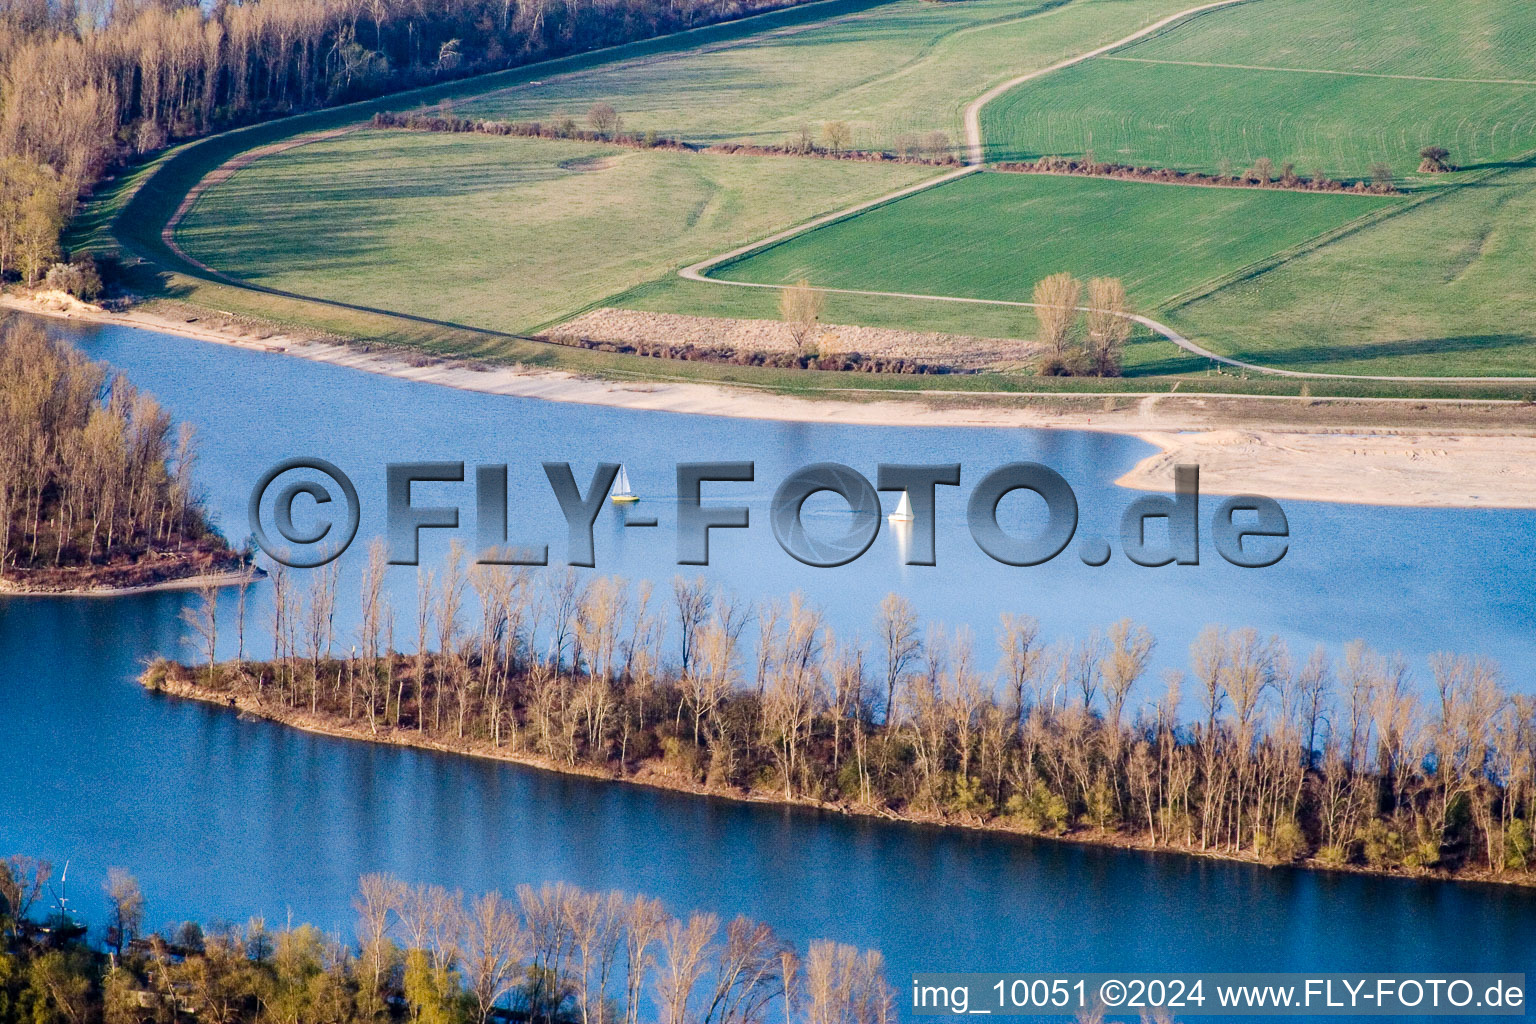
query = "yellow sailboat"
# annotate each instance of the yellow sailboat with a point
(621, 492)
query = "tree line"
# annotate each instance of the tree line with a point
(1248, 751)
(92, 471)
(423, 954)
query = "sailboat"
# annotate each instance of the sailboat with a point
(621, 492)
(903, 513)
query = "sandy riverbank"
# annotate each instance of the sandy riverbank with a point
(231, 578)
(1442, 454)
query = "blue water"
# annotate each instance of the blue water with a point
(222, 818)
(1409, 580)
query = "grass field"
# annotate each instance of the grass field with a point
(1330, 84)
(909, 66)
(501, 233)
(1442, 289)
(993, 236)
(511, 235)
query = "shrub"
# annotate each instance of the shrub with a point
(1039, 811)
(1335, 855)
(1288, 843)
(682, 756)
(80, 279)
(1101, 806)
(1518, 845)
(1434, 160)
(968, 796)
(1382, 846)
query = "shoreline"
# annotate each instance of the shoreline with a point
(319, 725)
(1292, 448)
(224, 578)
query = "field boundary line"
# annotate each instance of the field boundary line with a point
(1155, 326)
(976, 161)
(975, 152)
(1364, 222)
(1321, 71)
(696, 271)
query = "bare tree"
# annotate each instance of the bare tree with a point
(1056, 299)
(644, 924)
(603, 119)
(597, 931)
(837, 136)
(747, 974)
(801, 306)
(1130, 648)
(1017, 640)
(494, 944)
(685, 956)
(22, 880)
(125, 909)
(203, 619)
(900, 644)
(1109, 325)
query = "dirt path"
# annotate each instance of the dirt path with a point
(977, 153)
(975, 162)
(976, 159)
(1322, 71)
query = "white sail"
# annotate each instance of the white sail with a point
(903, 513)
(621, 491)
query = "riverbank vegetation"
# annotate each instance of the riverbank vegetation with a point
(95, 483)
(422, 954)
(1252, 751)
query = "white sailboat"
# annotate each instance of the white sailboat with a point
(621, 492)
(903, 513)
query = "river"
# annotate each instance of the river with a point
(222, 818)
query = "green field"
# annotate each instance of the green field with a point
(513, 235)
(909, 66)
(502, 233)
(1442, 289)
(992, 236)
(1332, 84)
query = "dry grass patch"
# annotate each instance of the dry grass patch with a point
(956, 351)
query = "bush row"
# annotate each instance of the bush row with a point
(854, 361)
(567, 128)
(1287, 179)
